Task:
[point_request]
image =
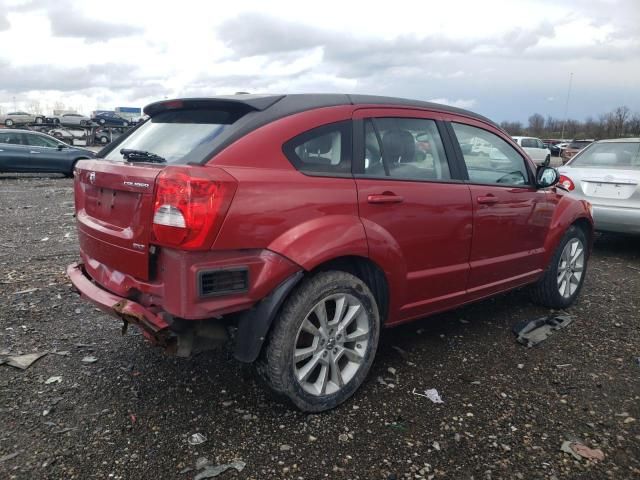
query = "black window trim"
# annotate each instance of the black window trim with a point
(463, 166)
(347, 147)
(359, 151)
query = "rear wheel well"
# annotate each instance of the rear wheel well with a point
(368, 272)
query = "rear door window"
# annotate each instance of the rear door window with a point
(178, 136)
(404, 148)
(325, 150)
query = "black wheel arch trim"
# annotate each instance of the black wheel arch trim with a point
(254, 324)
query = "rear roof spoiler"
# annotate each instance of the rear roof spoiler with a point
(243, 102)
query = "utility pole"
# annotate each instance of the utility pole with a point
(566, 106)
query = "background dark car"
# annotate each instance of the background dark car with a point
(573, 148)
(110, 118)
(27, 151)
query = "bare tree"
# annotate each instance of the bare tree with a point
(619, 117)
(536, 124)
(512, 128)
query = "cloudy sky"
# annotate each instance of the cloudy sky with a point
(504, 59)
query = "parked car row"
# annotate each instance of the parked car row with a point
(104, 118)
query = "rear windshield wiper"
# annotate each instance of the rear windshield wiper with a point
(141, 156)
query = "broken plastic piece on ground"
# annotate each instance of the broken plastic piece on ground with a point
(579, 451)
(89, 359)
(197, 439)
(532, 332)
(51, 380)
(24, 361)
(211, 471)
(432, 394)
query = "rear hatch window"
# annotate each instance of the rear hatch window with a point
(177, 136)
(619, 155)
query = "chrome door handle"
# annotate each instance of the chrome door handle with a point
(33, 151)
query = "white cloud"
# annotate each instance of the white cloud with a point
(507, 59)
(460, 102)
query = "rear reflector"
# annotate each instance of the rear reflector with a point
(223, 282)
(189, 205)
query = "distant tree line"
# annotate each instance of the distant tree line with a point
(620, 122)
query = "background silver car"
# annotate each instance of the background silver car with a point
(71, 119)
(17, 118)
(607, 174)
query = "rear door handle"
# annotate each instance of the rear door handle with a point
(33, 151)
(488, 199)
(386, 197)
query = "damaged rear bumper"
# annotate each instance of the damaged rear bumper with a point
(154, 327)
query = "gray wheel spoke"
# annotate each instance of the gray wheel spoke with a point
(308, 367)
(321, 313)
(349, 317)
(302, 353)
(352, 355)
(336, 374)
(323, 378)
(356, 336)
(309, 327)
(341, 305)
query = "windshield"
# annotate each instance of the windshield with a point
(622, 155)
(178, 136)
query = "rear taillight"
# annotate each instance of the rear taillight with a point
(566, 183)
(189, 206)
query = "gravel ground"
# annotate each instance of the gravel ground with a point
(507, 408)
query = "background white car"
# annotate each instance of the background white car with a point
(18, 118)
(535, 149)
(71, 119)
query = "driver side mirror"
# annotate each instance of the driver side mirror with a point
(61, 146)
(546, 177)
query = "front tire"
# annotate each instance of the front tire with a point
(562, 281)
(323, 343)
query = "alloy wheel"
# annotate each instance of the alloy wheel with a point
(570, 267)
(331, 343)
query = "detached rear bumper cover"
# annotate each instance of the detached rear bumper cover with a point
(153, 325)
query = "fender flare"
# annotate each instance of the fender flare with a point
(566, 214)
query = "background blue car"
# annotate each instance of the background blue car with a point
(27, 151)
(110, 118)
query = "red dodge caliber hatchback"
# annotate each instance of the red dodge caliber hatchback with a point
(297, 226)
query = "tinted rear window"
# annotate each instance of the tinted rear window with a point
(179, 136)
(623, 155)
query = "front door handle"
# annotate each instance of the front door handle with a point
(489, 199)
(386, 197)
(33, 151)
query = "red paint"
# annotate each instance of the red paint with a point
(439, 244)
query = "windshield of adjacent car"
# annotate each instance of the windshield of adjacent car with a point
(178, 136)
(621, 155)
